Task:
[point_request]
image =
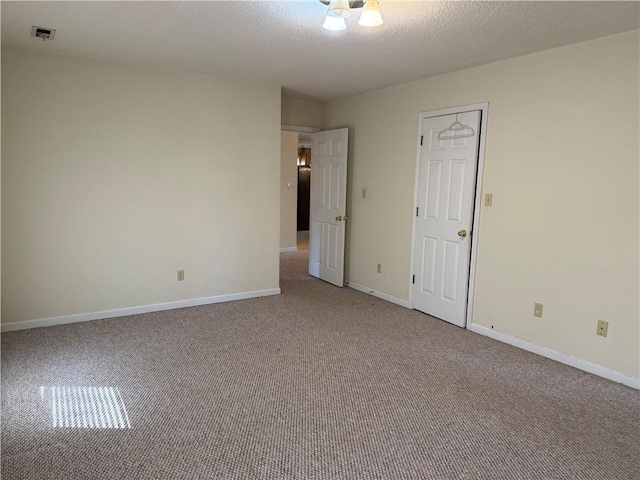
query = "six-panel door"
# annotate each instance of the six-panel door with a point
(328, 205)
(442, 243)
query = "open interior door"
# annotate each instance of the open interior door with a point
(328, 205)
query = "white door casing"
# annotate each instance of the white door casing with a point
(444, 213)
(328, 205)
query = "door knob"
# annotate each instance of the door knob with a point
(339, 219)
(462, 233)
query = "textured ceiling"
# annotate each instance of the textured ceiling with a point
(283, 42)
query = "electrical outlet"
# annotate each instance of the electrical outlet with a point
(537, 310)
(180, 275)
(379, 268)
(603, 327)
(488, 200)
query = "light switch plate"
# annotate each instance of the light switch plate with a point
(488, 200)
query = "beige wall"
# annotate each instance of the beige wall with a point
(302, 113)
(115, 176)
(562, 161)
(288, 189)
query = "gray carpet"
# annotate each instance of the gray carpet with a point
(317, 383)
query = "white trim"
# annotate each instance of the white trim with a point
(484, 109)
(299, 128)
(121, 312)
(575, 362)
(288, 249)
(376, 293)
(476, 213)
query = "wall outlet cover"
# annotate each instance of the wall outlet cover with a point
(603, 328)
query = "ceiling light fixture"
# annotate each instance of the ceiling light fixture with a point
(338, 10)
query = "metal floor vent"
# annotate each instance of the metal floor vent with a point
(85, 407)
(43, 33)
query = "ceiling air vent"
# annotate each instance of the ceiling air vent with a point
(43, 33)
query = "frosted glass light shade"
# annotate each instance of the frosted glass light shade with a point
(339, 9)
(334, 23)
(370, 16)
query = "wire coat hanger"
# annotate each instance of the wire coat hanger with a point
(456, 130)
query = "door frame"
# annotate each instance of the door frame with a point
(477, 203)
(297, 129)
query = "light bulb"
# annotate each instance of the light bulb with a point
(370, 16)
(334, 23)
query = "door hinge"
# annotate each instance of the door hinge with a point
(413, 280)
(421, 138)
(417, 210)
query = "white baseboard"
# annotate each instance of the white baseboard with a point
(121, 312)
(288, 249)
(375, 293)
(575, 362)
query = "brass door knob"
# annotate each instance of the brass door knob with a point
(462, 233)
(339, 218)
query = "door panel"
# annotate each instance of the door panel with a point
(328, 200)
(446, 187)
(320, 190)
(456, 191)
(428, 277)
(434, 177)
(334, 237)
(335, 183)
(450, 280)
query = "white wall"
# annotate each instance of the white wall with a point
(562, 161)
(304, 113)
(288, 189)
(115, 176)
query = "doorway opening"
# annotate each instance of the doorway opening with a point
(304, 184)
(326, 183)
(295, 180)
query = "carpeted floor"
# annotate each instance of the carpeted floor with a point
(317, 383)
